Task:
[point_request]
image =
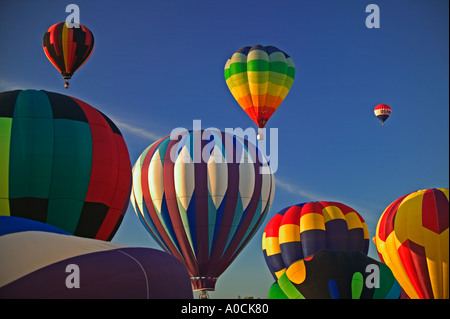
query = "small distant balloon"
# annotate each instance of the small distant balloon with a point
(382, 112)
(68, 48)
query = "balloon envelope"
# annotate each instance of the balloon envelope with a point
(68, 48)
(202, 197)
(259, 78)
(382, 112)
(35, 257)
(63, 162)
(299, 231)
(275, 292)
(412, 239)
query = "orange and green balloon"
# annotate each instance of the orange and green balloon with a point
(259, 77)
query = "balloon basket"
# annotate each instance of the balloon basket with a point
(203, 294)
(203, 283)
(260, 135)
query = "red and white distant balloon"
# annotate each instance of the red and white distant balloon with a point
(382, 112)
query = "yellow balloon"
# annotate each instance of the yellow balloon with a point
(412, 239)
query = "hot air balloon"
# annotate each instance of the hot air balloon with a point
(339, 274)
(412, 239)
(201, 195)
(41, 261)
(299, 231)
(259, 78)
(382, 112)
(68, 48)
(62, 162)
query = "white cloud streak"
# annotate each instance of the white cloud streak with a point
(137, 131)
(8, 85)
(369, 210)
(296, 190)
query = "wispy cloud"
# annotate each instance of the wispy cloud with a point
(296, 190)
(124, 125)
(137, 131)
(369, 210)
(8, 85)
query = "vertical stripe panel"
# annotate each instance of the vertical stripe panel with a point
(104, 170)
(233, 249)
(231, 201)
(201, 205)
(5, 138)
(184, 188)
(393, 252)
(173, 212)
(31, 153)
(155, 214)
(72, 160)
(120, 199)
(65, 49)
(407, 219)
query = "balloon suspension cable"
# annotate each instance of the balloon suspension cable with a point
(66, 84)
(260, 135)
(203, 294)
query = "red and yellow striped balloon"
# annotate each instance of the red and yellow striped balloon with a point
(301, 230)
(412, 239)
(68, 48)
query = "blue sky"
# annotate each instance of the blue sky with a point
(158, 65)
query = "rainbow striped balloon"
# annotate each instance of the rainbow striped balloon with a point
(412, 239)
(259, 78)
